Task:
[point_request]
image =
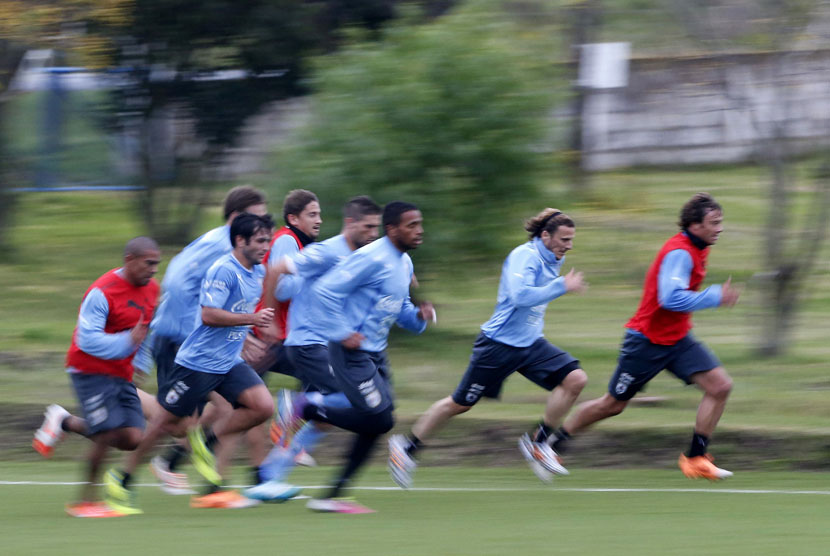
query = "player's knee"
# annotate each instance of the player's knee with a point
(264, 408)
(722, 389)
(575, 381)
(129, 439)
(612, 406)
(454, 408)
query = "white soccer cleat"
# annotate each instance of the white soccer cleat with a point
(401, 465)
(50, 432)
(171, 482)
(542, 455)
(272, 491)
(338, 505)
(305, 459)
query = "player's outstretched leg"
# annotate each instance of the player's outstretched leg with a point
(51, 431)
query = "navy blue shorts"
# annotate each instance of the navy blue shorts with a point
(276, 360)
(492, 362)
(189, 390)
(363, 376)
(313, 368)
(107, 402)
(640, 361)
(164, 354)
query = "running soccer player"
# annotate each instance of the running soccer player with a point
(112, 323)
(513, 341)
(208, 361)
(356, 303)
(263, 348)
(306, 342)
(301, 212)
(659, 337)
(178, 316)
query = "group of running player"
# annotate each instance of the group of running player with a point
(244, 299)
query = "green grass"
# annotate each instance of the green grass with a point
(64, 241)
(516, 514)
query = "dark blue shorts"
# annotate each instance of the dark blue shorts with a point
(492, 362)
(189, 390)
(276, 360)
(313, 368)
(107, 402)
(363, 376)
(164, 354)
(640, 361)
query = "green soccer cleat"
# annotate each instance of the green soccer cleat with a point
(201, 456)
(117, 496)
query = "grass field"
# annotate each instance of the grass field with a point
(453, 511)
(777, 419)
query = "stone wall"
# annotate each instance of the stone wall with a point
(708, 109)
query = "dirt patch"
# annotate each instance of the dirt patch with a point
(492, 443)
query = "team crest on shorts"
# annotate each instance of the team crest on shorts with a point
(474, 393)
(623, 383)
(175, 393)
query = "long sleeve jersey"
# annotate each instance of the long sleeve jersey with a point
(368, 292)
(529, 281)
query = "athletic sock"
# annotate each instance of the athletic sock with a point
(699, 445)
(559, 439)
(256, 474)
(125, 479)
(210, 439)
(210, 488)
(542, 432)
(415, 444)
(174, 456)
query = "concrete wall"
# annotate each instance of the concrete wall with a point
(708, 109)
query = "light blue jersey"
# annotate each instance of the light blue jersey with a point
(230, 286)
(529, 281)
(307, 266)
(367, 292)
(178, 311)
(673, 291)
(285, 246)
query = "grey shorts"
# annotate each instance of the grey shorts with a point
(492, 362)
(189, 389)
(363, 376)
(107, 402)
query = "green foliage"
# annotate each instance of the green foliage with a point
(451, 115)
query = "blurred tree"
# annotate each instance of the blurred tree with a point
(174, 52)
(77, 28)
(452, 114)
(793, 238)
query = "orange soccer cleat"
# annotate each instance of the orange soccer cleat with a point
(228, 499)
(701, 467)
(92, 509)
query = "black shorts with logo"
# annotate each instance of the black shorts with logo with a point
(641, 360)
(189, 389)
(363, 376)
(492, 362)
